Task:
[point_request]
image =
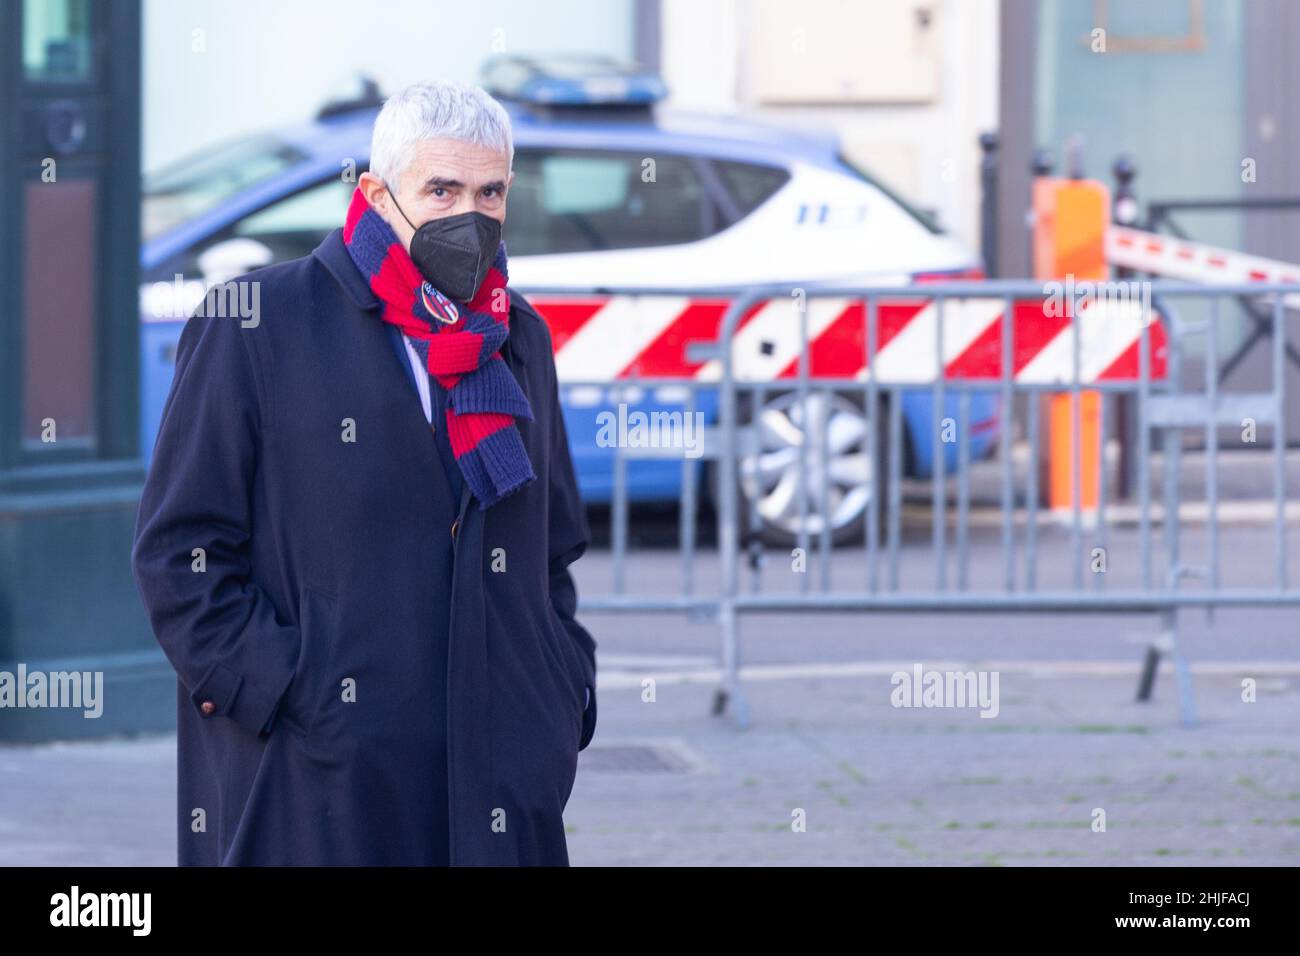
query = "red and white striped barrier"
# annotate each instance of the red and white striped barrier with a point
(1192, 261)
(606, 338)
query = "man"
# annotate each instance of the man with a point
(355, 535)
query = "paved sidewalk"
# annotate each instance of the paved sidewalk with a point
(881, 785)
(878, 784)
(108, 803)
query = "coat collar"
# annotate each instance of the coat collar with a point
(333, 255)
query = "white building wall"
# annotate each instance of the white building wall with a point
(928, 151)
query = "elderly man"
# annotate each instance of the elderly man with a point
(354, 539)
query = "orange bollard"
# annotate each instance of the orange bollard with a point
(1071, 217)
(1060, 473)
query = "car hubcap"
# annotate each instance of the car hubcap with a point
(770, 475)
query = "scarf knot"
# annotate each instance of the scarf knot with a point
(459, 343)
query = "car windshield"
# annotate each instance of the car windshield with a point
(195, 186)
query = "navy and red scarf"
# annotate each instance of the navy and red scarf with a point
(460, 344)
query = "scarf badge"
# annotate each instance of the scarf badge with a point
(438, 305)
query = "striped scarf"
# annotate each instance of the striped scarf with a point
(459, 343)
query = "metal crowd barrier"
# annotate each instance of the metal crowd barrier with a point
(1165, 409)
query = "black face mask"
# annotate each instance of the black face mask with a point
(454, 253)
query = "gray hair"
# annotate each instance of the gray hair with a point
(440, 110)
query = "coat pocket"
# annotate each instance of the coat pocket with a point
(567, 653)
(317, 626)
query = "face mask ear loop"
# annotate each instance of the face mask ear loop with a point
(393, 196)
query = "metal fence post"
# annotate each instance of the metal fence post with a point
(1042, 164)
(1124, 212)
(989, 202)
(730, 693)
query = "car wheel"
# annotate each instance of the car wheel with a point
(768, 468)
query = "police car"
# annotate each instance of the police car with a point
(610, 191)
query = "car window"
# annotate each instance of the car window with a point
(750, 185)
(583, 184)
(285, 229)
(590, 200)
(294, 226)
(199, 184)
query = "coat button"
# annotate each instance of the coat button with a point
(208, 707)
(455, 526)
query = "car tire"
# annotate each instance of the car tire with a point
(769, 477)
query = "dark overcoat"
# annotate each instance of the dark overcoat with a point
(369, 672)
